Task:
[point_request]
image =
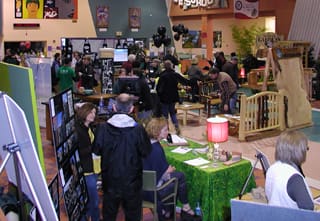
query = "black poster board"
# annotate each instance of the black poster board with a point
(65, 144)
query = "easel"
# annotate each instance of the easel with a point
(265, 165)
(16, 142)
(14, 151)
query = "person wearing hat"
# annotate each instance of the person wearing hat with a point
(231, 68)
(32, 8)
(195, 75)
(227, 89)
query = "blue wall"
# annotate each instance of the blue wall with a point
(118, 17)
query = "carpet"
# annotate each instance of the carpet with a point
(313, 132)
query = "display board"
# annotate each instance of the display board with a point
(66, 149)
(18, 83)
(25, 172)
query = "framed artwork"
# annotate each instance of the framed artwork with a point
(102, 17)
(192, 39)
(134, 17)
(18, 9)
(217, 39)
(32, 9)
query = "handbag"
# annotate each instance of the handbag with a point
(187, 217)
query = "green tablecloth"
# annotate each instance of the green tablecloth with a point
(212, 187)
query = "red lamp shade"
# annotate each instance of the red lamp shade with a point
(217, 129)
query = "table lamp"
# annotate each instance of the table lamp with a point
(217, 131)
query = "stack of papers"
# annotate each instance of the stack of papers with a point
(181, 150)
(197, 162)
(178, 140)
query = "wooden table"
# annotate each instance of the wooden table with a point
(94, 98)
(185, 107)
(212, 187)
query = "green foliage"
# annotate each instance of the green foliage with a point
(245, 38)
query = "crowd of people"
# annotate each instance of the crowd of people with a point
(130, 140)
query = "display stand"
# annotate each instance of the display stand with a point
(65, 144)
(265, 165)
(19, 158)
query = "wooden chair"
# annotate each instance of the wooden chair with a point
(208, 94)
(150, 184)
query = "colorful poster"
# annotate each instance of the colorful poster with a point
(134, 17)
(192, 39)
(48, 9)
(32, 9)
(102, 19)
(246, 9)
(217, 39)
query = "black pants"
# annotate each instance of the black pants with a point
(131, 203)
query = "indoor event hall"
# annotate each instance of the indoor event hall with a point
(182, 110)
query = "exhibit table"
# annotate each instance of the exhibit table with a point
(212, 187)
(185, 107)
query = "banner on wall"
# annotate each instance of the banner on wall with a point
(246, 9)
(47, 9)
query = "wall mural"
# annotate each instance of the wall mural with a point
(46, 9)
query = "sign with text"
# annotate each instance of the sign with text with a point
(246, 9)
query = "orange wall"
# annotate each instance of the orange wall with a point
(221, 20)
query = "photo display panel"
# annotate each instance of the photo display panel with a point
(67, 155)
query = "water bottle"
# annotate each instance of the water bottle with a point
(197, 210)
(101, 104)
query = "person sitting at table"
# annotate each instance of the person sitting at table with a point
(285, 183)
(157, 129)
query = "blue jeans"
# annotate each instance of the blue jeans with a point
(93, 202)
(170, 109)
(232, 104)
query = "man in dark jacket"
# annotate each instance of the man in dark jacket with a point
(122, 143)
(167, 89)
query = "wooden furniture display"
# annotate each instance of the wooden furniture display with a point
(208, 95)
(185, 107)
(261, 112)
(212, 187)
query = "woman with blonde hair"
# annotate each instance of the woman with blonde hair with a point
(285, 183)
(157, 129)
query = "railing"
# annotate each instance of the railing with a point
(261, 112)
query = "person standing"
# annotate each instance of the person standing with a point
(231, 68)
(157, 130)
(86, 73)
(85, 116)
(285, 183)
(167, 90)
(122, 143)
(195, 75)
(56, 64)
(66, 75)
(227, 89)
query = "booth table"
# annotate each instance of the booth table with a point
(185, 107)
(212, 187)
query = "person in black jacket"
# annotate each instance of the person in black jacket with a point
(167, 89)
(122, 144)
(85, 115)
